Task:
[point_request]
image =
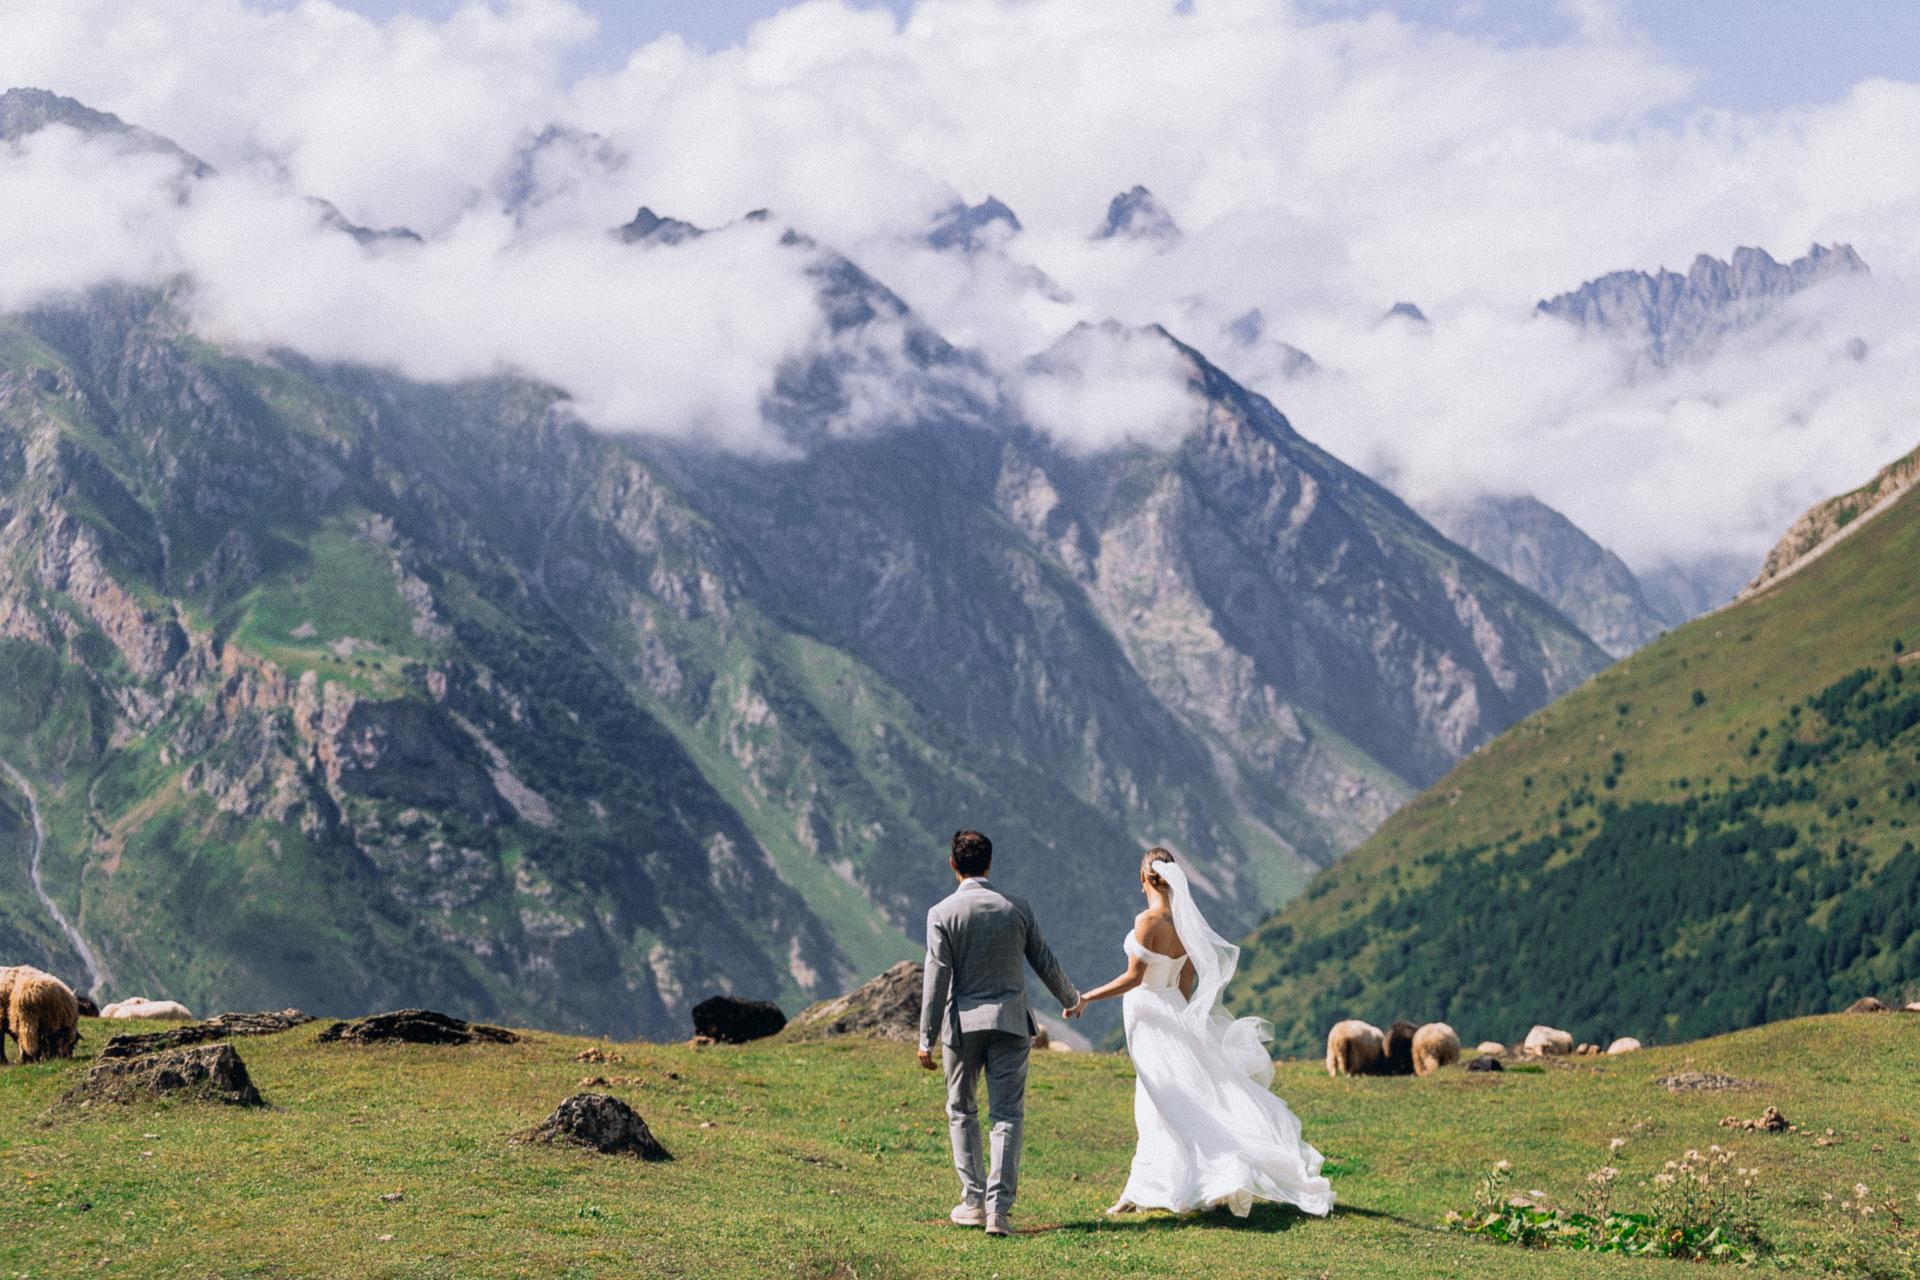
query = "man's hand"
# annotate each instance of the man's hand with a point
(926, 1058)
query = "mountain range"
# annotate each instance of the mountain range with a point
(1671, 317)
(340, 689)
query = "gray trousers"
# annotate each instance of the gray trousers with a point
(1003, 1056)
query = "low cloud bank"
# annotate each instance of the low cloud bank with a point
(1319, 169)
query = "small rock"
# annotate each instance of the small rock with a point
(414, 1026)
(1866, 1004)
(602, 1123)
(594, 1053)
(731, 1020)
(1485, 1062)
(393, 1197)
(206, 1073)
(702, 1042)
(1770, 1121)
(1587, 1051)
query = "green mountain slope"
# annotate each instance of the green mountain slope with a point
(1717, 831)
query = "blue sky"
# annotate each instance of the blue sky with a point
(1750, 53)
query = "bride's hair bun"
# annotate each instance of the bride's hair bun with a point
(1153, 855)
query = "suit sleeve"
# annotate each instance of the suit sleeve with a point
(1040, 956)
(938, 985)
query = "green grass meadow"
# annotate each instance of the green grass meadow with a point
(831, 1161)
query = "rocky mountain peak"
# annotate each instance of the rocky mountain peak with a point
(973, 227)
(1406, 311)
(1675, 317)
(24, 112)
(651, 227)
(1137, 214)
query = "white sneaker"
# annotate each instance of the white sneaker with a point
(968, 1215)
(998, 1224)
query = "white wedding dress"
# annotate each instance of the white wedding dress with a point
(1211, 1130)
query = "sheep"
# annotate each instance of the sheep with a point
(1434, 1046)
(42, 1014)
(1547, 1042)
(1625, 1044)
(1490, 1048)
(7, 975)
(1354, 1048)
(1398, 1047)
(141, 1007)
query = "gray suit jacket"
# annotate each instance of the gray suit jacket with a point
(977, 941)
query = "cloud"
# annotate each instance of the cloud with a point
(683, 341)
(1320, 166)
(1105, 386)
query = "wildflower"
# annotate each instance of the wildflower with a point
(1860, 1189)
(1501, 1166)
(1616, 1144)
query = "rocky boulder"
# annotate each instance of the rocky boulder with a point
(1485, 1063)
(206, 1073)
(731, 1020)
(599, 1122)
(1866, 1004)
(414, 1026)
(224, 1027)
(887, 1008)
(1625, 1044)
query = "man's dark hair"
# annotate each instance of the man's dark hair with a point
(972, 853)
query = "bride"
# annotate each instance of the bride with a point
(1211, 1131)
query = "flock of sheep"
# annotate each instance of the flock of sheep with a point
(1356, 1048)
(42, 1013)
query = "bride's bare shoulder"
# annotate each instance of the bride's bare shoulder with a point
(1155, 927)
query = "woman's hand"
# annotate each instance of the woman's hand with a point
(1079, 1008)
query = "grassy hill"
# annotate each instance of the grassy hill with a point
(1713, 833)
(831, 1161)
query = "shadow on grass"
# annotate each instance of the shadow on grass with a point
(1265, 1218)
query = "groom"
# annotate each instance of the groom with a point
(975, 1005)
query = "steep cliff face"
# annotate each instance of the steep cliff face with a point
(1548, 554)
